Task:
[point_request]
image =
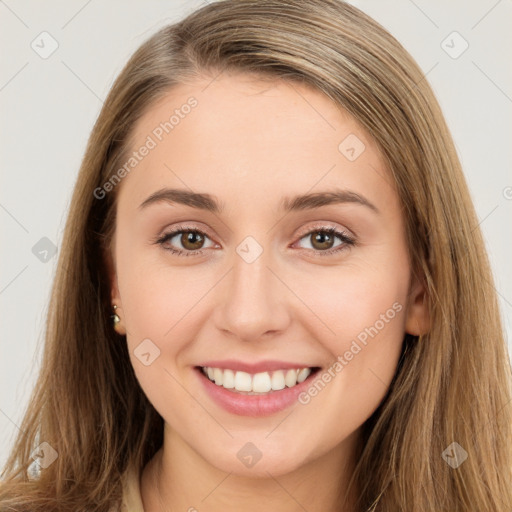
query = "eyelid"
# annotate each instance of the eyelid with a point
(304, 231)
(175, 230)
(327, 225)
(348, 239)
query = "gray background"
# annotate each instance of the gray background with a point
(50, 104)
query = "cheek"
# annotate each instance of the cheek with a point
(350, 299)
(164, 308)
(364, 309)
(154, 294)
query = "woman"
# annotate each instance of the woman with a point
(272, 290)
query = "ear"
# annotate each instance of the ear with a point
(417, 320)
(115, 296)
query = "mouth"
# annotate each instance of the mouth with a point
(261, 383)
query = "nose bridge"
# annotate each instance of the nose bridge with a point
(250, 275)
(253, 304)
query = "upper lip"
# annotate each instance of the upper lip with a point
(262, 366)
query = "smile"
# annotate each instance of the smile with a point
(258, 383)
(255, 394)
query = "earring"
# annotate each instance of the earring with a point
(115, 317)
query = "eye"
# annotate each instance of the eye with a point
(323, 240)
(191, 239)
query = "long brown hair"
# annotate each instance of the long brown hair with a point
(452, 385)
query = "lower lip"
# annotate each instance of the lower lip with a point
(253, 405)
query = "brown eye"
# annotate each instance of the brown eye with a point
(185, 241)
(322, 240)
(191, 240)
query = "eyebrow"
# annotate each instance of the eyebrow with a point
(209, 203)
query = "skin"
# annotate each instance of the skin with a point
(250, 143)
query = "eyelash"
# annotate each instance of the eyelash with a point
(347, 240)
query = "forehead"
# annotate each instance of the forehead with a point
(250, 138)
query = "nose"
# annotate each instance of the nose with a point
(252, 302)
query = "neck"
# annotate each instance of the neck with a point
(179, 479)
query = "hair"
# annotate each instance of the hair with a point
(452, 384)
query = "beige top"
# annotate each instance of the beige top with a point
(132, 501)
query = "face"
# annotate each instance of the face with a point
(262, 282)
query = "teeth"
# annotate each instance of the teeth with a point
(218, 376)
(278, 381)
(263, 382)
(290, 378)
(243, 381)
(303, 375)
(228, 379)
